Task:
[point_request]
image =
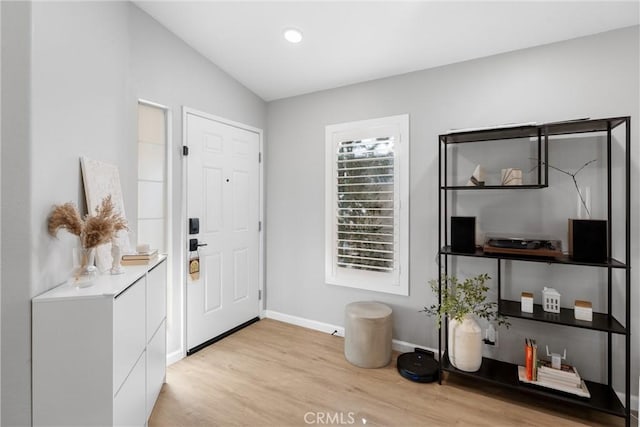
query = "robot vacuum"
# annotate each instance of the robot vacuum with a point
(419, 366)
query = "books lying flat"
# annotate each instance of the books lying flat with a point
(560, 381)
(140, 255)
(138, 261)
(581, 390)
(139, 258)
(550, 374)
(565, 369)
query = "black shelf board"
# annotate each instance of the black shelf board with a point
(601, 321)
(527, 131)
(531, 131)
(583, 126)
(564, 259)
(493, 187)
(603, 397)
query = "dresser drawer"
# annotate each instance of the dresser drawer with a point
(129, 337)
(156, 298)
(156, 366)
(129, 401)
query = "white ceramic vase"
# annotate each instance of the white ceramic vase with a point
(116, 255)
(465, 344)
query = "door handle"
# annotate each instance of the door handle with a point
(194, 245)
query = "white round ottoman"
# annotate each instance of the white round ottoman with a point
(367, 334)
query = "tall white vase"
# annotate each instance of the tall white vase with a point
(465, 344)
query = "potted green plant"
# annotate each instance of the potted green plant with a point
(462, 302)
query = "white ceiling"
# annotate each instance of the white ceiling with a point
(350, 42)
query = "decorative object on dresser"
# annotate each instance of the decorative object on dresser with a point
(553, 142)
(526, 302)
(461, 301)
(101, 180)
(550, 300)
(93, 230)
(140, 258)
(583, 310)
(116, 254)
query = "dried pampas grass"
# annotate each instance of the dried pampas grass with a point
(94, 230)
(65, 216)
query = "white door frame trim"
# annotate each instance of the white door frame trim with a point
(168, 193)
(183, 236)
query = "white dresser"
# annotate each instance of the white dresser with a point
(99, 353)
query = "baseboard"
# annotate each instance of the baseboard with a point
(397, 345)
(305, 323)
(174, 357)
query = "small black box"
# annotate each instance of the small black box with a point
(463, 234)
(588, 240)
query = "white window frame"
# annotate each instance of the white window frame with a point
(396, 281)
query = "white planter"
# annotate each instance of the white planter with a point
(465, 344)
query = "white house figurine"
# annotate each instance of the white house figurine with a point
(550, 300)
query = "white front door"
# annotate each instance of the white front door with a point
(223, 194)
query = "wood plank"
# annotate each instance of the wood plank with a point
(272, 373)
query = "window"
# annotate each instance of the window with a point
(367, 204)
(152, 177)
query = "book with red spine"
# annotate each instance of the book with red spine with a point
(528, 359)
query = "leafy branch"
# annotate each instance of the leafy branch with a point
(573, 177)
(460, 299)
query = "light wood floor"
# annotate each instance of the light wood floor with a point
(272, 374)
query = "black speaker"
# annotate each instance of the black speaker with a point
(588, 240)
(463, 234)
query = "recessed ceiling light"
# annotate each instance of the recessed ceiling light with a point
(292, 35)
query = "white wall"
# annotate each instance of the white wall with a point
(594, 76)
(90, 63)
(15, 170)
(0, 214)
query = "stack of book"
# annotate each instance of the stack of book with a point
(567, 375)
(139, 258)
(540, 373)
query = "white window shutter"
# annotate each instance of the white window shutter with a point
(367, 183)
(365, 204)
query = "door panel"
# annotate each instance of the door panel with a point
(212, 194)
(212, 282)
(223, 191)
(241, 278)
(241, 201)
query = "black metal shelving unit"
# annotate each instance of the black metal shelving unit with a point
(603, 397)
